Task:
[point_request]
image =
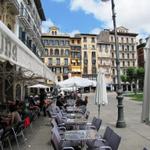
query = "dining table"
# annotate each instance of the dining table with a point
(81, 136)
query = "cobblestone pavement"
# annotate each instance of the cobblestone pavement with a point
(134, 137)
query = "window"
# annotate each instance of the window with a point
(106, 48)
(58, 70)
(93, 55)
(56, 52)
(132, 40)
(51, 52)
(93, 62)
(93, 46)
(62, 42)
(72, 41)
(132, 48)
(93, 40)
(46, 52)
(121, 39)
(85, 62)
(112, 47)
(123, 63)
(112, 55)
(128, 56)
(84, 39)
(67, 52)
(113, 71)
(122, 47)
(56, 42)
(133, 63)
(128, 47)
(78, 41)
(66, 61)
(49, 61)
(66, 70)
(113, 63)
(127, 40)
(67, 42)
(112, 38)
(132, 56)
(128, 63)
(85, 46)
(85, 54)
(123, 55)
(94, 70)
(57, 61)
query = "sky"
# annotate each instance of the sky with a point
(92, 16)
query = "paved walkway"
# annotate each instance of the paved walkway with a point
(134, 137)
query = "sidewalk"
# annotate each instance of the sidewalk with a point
(136, 135)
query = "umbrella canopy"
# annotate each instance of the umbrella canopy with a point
(75, 82)
(101, 94)
(39, 86)
(146, 101)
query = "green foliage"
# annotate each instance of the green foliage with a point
(123, 78)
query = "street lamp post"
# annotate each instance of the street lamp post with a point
(120, 121)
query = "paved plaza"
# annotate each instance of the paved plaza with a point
(134, 137)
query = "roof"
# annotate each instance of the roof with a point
(48, 35)
(40, 9)
(124, 34)
(85, 34)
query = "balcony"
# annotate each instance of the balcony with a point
(25, 18)
(13, 5)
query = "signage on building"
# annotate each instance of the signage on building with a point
(8, 48)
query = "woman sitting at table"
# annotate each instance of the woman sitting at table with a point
(15, 116)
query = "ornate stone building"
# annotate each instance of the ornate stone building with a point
(106, 53)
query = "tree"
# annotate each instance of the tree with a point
(135, 74)
(124, 78)
(140, 77)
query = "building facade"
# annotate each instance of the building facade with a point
(127, 53)
(75, 47)
(89, 55)
(24, 19)
(140, 53)
(57, 52)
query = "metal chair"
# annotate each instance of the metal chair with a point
(18, 131)
(1, 133)
(5, 137)
(58, 143)
(111, 141)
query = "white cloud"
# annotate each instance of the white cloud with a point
(46, 24)
(132, 14)
(74, 32)
(95, 31)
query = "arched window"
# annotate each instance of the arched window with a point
(67, 52)
(57, 52)
(51, 52)
(46, 52)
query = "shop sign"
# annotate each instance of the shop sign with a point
(8, 48)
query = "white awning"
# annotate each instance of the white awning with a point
(16, 52)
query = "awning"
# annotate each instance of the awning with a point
(16, 52)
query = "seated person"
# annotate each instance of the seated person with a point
(15, 116)
(85, 102)
(79, 101)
